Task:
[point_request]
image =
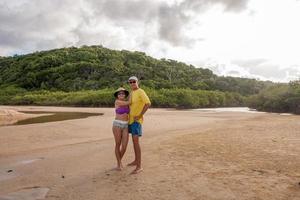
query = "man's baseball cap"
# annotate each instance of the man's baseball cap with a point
(133, 78)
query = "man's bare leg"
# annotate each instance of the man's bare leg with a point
(136, 148)
(138, 154)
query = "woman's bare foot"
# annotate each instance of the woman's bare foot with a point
(134, 163)
(137, 170)
(117, 168)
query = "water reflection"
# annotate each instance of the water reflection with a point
(54, 116)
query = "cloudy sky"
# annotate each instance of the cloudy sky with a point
(246, 38)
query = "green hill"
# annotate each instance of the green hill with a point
(95, 68)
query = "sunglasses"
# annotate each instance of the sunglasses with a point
(130, 82)
(121, 93)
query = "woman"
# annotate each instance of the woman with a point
(120, 124)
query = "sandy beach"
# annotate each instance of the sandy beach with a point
(186, 154)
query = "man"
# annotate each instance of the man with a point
(139, 105)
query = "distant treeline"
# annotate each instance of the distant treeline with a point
(279, 98)
(174, 98)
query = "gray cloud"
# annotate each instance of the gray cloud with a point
(275, 72)
(229, 5)
(262, 68)
(249, 63)
(117, 10)
(173, 20)
(169, 20)
(181, 19)
(8, 38)
(171, 23)
(234, 73)
(35, 25)
(30, 25)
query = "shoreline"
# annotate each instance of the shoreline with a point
(10, 115)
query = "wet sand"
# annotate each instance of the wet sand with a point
(186, 155)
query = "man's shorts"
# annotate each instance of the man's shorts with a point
(135, 128)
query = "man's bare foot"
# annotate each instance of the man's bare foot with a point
(137, 170)
(132, 163)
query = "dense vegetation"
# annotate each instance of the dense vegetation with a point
(279, 98)
(87, 76)
(176, 98)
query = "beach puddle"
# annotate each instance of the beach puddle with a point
(54, 116)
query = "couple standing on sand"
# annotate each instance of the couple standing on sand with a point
(129, 119)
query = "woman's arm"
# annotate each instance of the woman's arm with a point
(122, 103)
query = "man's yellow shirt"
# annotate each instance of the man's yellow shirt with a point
(138, 100)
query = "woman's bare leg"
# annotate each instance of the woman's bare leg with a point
(118, 137)
(125, 137)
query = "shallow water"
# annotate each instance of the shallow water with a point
(54, 116)
(229, 109)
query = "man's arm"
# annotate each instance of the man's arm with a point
(145, 108)
(147, 103)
